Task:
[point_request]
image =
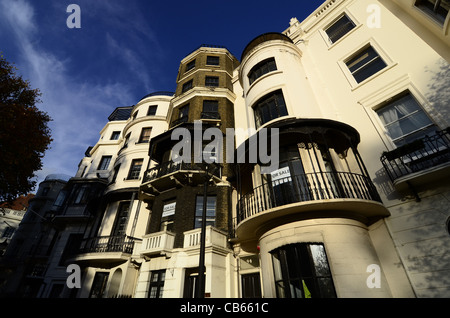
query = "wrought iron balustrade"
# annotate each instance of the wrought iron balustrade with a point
(418, 155)
(168, 167)
(180, 120)
(306, 187)
(104, 244)
(210, 115)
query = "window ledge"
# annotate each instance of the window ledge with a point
(355, 85)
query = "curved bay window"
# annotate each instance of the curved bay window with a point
(302, 271)
(318, 160)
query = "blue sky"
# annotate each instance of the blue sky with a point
(123, 51)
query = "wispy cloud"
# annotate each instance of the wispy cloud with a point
(79, 108)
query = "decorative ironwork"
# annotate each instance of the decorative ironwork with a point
(306, 187)
(418, 155)
(104, 244)
(168, 167)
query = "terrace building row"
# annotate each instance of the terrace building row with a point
(357, 205)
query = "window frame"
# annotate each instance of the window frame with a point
(211, 218)
(150, 109)
(115, 135)
(424, 7)
(281, 109)
(144, 137)
(345, 70)
(104, 163)
(188, 85)
(157, 283)
(398, 141)
(133, 170)
(215, 62)
(212, 81)
(121, 218)
(299, 267)
(190, 66)
(358, 57)
(333, 24)
(264, 67)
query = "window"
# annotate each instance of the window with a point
(8, 232)
(212, 81)
(104, 163)
(302, 271)
(135, 169)
(45, 191)
(121, 221)
(186, 86)
(251, 286)
(210, 109)
(365, 63)
(404, 120)
(156, 287)
(145, 134)
(269, 107)
(437, 9)
(167, 216)
(152, 110)
(261, 68)
(115, 135)
(183, 113)
(210, 211)
(116, 172)
(81, 194)
(135, 115)
(127, 139)
(212, 60)
(190, 66)
(60, 199)
(99, 285)
(340, 28)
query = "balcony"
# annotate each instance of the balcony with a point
(179, 121)
(105, 250)
(171, 174)
(155, 244)
(214, 238)
(424, 156)
(313, 195)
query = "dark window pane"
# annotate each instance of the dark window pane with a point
(365, 63)
(340, 28)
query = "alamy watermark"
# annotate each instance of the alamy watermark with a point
(192, 148)
(74, 19)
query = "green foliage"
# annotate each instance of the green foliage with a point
(24, 133)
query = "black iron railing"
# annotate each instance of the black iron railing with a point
(104, 244)
(418, 155)
(210, 115)
(306, 187)
(179, 121)
(168, 167)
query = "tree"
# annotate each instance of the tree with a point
(24, 133)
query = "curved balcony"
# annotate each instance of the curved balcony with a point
(319, 194)
(171, 174)
(105, 250)
(306, 187)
